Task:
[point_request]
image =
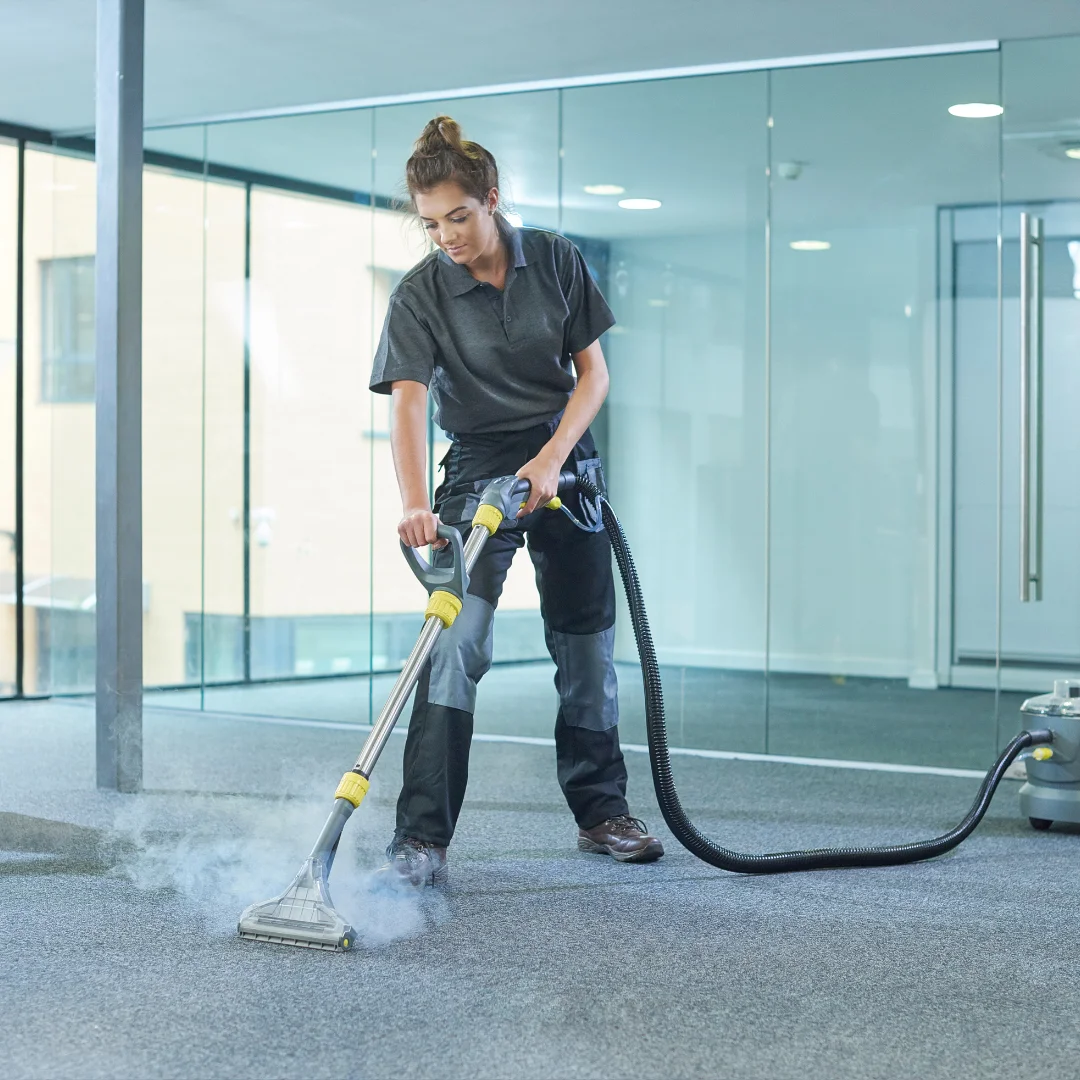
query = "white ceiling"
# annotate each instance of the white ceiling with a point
(217, 56)
(873, 140)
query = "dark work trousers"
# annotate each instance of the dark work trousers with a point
(577, 602)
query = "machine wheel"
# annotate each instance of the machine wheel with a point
(1040, 823)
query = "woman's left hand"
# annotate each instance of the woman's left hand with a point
(543, 474)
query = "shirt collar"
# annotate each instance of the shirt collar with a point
(513, 241)
(458, 279)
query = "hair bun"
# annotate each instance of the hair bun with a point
(441, 133)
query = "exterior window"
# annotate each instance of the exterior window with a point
(67, 333)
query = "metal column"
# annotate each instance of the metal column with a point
(118, 310)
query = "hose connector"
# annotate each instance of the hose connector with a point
(489, 516)
(353, 788)
(1038, 736)
(445, 606)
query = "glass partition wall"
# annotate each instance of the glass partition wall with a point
(813, 433)
(1039, 629)
(10, 158)
(684, 430)
(865, 158)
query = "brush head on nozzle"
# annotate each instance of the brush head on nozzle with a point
(302, 915)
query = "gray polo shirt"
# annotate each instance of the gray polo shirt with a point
(493, 361)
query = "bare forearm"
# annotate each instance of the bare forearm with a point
(581, 410)
(408, 441)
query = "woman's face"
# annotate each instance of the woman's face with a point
(458, 223)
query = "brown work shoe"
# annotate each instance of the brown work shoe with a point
(415, 863)
(624, 838)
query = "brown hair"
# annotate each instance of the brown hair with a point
(441, 154)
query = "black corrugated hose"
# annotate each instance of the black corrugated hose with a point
(777, 862)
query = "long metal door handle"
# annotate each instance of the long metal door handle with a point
(1037, 399)
(1025, 411)
(1031, 408)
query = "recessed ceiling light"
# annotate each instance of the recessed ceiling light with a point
(976, 110)
(603, 189)
(810, 245)
(515, 219)
(640, 204)
(1073, 152)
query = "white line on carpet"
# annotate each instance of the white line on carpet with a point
(633, 748)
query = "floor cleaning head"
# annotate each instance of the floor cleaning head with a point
(304, 914)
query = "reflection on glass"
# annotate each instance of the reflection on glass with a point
(67, 329)
(862, 161)
(684, 425)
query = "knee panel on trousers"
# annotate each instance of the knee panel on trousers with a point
(588, 687)
(462, 656)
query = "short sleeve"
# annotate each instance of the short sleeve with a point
(590, 315)
(406, 349)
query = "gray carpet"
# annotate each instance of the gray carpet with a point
(117, 957)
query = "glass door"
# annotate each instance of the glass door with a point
(1040, 566)
(1040, 632)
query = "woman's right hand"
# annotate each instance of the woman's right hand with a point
(417, 528)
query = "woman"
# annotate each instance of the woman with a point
(496, 324)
